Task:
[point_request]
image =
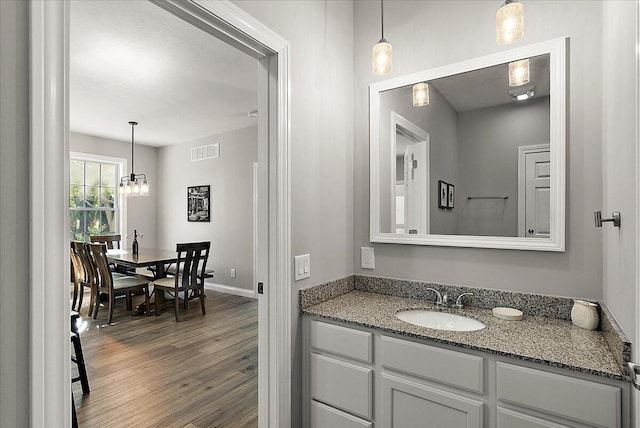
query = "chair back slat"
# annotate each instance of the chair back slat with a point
(88, 268)
(192, 263)
(112, 241)
(79, 274)
(99, 254)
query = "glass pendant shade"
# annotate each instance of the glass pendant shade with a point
(509, 22)
(382, 58)
(519, 72)
(420, 94)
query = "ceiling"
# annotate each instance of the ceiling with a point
(132, 61)
(487, 87)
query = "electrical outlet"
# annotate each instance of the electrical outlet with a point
(368, 258)
(301, 267)
(233, 273)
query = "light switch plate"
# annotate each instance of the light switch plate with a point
(368, 259)
(301, 267)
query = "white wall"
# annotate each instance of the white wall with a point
(424, 35)
(14, 214)
(231, 179)
(141, 211)
(320, 34)
(619, 155)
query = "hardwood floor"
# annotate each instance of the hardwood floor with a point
(153, 372)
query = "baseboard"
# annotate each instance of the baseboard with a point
(229, 289)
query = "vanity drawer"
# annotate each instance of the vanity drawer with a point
(576, 399)
(510, 419)
(448, 367)
(323, 416)
(343, 385)
(342, 341)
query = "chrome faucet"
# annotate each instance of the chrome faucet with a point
(459, 304)
(441, 300)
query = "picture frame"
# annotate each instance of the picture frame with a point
(443, 194)
(199, 203)
(451, 189)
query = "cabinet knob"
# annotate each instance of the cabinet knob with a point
(531, 231)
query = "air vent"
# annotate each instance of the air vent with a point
(205, 152)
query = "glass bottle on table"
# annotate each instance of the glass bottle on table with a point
(135, 242)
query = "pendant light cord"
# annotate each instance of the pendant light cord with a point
(132, 150)
(133, 124)
(382, 19)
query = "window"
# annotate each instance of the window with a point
(94, 207)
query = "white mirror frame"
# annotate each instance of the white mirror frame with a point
(557, 49)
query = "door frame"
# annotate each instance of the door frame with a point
(635, 411)
(50, 372)
(400, 122)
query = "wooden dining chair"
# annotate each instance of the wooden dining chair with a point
(190, 274)
(77, 274)
(121, 286)
(88, 276)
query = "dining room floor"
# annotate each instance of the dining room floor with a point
(148, 371)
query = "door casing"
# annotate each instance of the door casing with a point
(50, 372)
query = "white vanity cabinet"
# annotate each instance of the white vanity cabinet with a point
(340, 376)
(358, 377)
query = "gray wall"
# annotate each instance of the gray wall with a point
(619, 157)
(141, 211)
(423, 38)
(320, 34)
(488, 163)
(14, 210)
(231, 179)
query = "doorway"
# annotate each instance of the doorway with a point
(51, 400)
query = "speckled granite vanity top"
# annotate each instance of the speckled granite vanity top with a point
(541, 339)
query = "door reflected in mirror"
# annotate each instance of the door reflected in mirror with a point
(493, 131)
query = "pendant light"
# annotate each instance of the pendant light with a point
(382, 51)
(519, 72)
(509, 22)
(134, 184)
(420, 94)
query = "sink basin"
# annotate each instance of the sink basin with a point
(439, 320)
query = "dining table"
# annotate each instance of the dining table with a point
(146, 257)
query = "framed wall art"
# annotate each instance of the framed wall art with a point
(451, 189)
(443, 194)
(198, 200)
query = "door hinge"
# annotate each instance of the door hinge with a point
(635, 371)
(260, 288)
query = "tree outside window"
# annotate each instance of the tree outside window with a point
(93, 202)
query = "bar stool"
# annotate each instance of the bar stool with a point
(78, 358)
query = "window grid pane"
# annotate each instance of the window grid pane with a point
(93, 202)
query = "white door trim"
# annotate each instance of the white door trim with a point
(635, 413)
(49, 267)
(419, 134)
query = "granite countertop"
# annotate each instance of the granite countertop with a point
(551, 341)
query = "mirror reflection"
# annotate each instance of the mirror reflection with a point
(469, 153)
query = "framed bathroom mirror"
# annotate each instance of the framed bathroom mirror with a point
(472, 154)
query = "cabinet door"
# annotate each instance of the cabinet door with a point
(323, 416)
(408, 404)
